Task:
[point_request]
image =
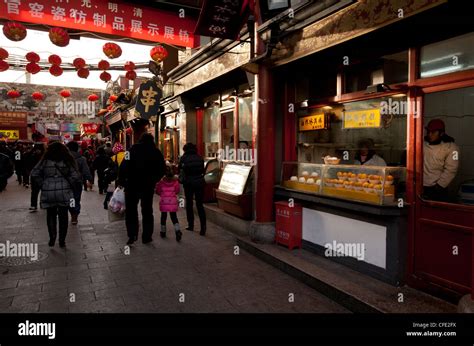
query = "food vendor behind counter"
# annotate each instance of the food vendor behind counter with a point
(366, 154)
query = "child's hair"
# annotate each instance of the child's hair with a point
(169, 172)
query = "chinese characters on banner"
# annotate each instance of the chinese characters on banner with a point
(106, 17)
(148, 100)
(222, 19)
(89, 129)
(313, 122)
(368, 118)
(13, 119)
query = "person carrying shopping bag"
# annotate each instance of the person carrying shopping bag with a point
(168, 188)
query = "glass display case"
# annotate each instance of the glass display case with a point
(302, 176)
(370, 184)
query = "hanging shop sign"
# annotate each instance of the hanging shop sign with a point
(148, 100)
(313, 122)
(70, 127)
(10, 134)
(14, 119)
(89, 129)
(218, 18)
(106, 17)
(362, 119)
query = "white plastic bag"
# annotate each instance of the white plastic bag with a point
(117, 201)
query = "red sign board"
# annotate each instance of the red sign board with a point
(89, 129)
(13, 119)
(222, 19)
(106, 17)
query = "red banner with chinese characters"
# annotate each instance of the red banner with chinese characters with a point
(13, 119)
(89, 129)
(223, 19)
(106, 17)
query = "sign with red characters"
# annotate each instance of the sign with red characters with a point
(106, 17)
(89, 129)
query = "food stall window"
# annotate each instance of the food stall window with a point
(452, 55)
(211, 131)
(245, 122)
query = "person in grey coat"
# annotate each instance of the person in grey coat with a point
(56, 175)
(86, 179)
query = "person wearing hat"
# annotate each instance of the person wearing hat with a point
(440, 161)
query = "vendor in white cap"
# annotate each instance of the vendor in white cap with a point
(440, 161)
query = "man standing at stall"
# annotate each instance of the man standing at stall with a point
(440, 161)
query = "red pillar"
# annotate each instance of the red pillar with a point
(289, 123)
(265, 177)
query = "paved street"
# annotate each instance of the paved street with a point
(94, 274)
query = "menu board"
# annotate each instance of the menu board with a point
(14, 119)
(313, 122)
(10, 134)
(234, 178)
(369, 118)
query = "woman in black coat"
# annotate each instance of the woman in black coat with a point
(191, 166)
(56, 175)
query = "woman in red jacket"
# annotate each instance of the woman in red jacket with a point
(167, 188)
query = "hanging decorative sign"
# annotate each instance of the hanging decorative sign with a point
(222, 19)
(313, 122)
(148, 100)
(59, 37)
(89, 129)
(105, 17)
(112, 50)
(361, 119)
(13, 31)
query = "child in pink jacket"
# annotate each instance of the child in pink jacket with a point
(167, 188)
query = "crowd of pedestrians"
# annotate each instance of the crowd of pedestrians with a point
(62, 172)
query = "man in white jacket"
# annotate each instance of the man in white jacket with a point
(440, 161)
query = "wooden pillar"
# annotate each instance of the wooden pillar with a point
(289, 123)
(200, 132)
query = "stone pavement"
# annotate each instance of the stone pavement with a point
(95, 274)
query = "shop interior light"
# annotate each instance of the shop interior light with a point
(327, 107)
(304, 104)
(399, 95)
(442, 70)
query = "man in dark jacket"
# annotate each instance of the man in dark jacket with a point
(139, 172)
(191, 166)
(85, 179)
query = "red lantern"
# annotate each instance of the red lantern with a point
(105, 76)
(59, 37)
(32, 57)
(4, 66)
(113, 98)
(103, 65)
(79, 63)
(37, 96)
(33, 68)
(14, 31)
(158, 53)
(56, 70)
(3, 54)
(131, 75)
(13, 94)
(112, 50)
(129, 66)
(93, 97)
(83, 73)
(54, 59)
(65, 93)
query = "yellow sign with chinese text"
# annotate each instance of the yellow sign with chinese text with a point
(367, 118)
(10, 134)
(313, 122)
